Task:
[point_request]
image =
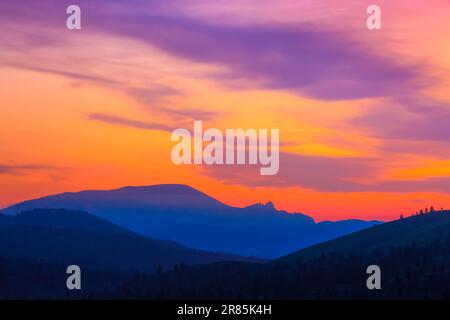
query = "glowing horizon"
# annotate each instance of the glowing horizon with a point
(362, 114)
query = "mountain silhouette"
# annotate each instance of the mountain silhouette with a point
(63, 237)
(190, 217)
(412, 253)
(422, 229)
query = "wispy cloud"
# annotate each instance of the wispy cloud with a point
(411, 118)
(121, 121)
(327, 174)
(66, 73)
(19, 169)
(278, 56)
(179, 119)
(272, 55)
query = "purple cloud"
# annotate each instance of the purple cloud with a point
(179, 118)
(299, 57)
(18, 169)
(313, 172)
(68, 74)
(326, 174)
(414, 118)
(121, 121)
(319, 63)
(303, 58)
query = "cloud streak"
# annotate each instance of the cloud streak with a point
(19, 169)
(326, 174)
(412, 118)
(275, 56)
(279, 56)
(121, 121)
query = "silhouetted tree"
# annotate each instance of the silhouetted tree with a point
(421, 212)
(432, 209)
(401, 216)
(426, 210)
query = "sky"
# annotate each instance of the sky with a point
(363, 114)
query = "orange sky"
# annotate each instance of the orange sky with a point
(81, 109)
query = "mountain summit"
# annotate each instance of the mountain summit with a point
(188, 216)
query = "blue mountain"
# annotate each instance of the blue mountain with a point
(412, 253)
(63, 237)
(185, 215)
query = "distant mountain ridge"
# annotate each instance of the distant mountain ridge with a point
(421, 229)
(412, 253)
(183, 214)
(64, 237)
